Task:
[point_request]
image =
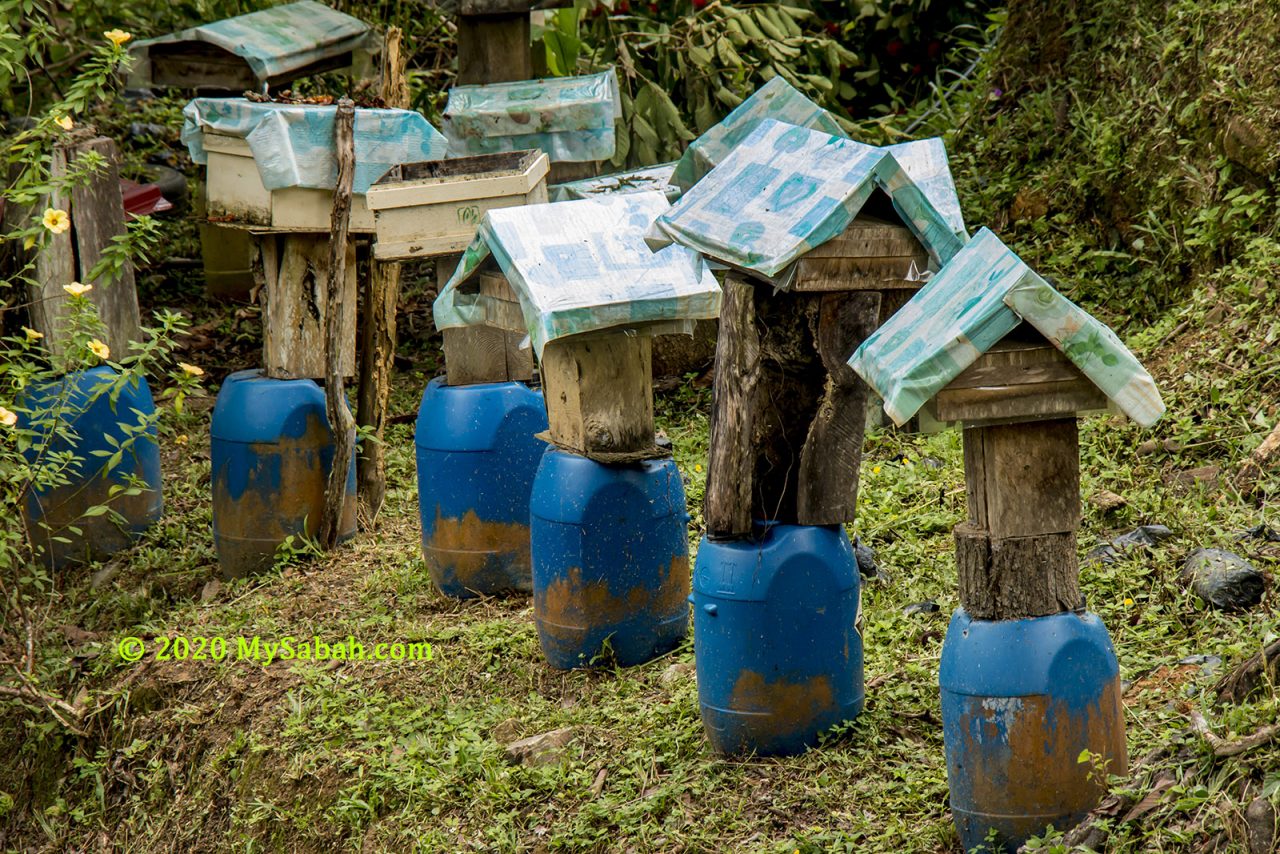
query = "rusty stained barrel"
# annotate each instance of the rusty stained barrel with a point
(610, 552)
(476, 454)
(775, 637)
(1021, 701)
(97, 419)
(271, 450)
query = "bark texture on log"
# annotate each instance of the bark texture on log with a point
(1016, 577)
(340, 418)
(378, 339)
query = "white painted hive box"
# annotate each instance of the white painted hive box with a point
(237, 196)
(434, 207)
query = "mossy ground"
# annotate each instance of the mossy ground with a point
(1102, 160)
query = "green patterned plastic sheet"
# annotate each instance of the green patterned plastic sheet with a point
(785, 190)
(977, 299)
(777, 100)
(649, 179)
(572, 119)
(582, 266)
(292, 144)
(273, 41)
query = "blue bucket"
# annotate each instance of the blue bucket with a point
(477, 454)
(271, 449)
(80, 400)
(610, 559)
(775, 638)
(1021, 701)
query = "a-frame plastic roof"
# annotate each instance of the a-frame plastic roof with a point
(582, 266)
(785, 190)
(977, 299)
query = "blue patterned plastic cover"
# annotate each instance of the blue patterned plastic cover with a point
(649, 179)
(777, 100)
(273, 41)
(293, 143)
(785, 190)
(581, 266)
(570, 118)
(976, 300)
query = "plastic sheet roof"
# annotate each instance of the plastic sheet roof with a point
(649, 179)
(784, 190)
(977, 299)
(570, 118)
(582, 266)
(278, 40)
(293, 143)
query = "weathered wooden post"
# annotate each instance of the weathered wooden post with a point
(607, 511)
(475, 435)
(1029, 677)
(819, 232)
(271, 171)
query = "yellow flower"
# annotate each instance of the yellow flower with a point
(76, 289)
(876, 470)
(7, 418)
(64, 122)
(697, 468)
(56, 220)
(31, 334)
(191, 369)
(1128, 601)
(117, 37)
(102, 351)
(181, 440)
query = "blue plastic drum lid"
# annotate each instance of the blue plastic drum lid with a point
(776, 643)
(272, 450)
(610, 555)
(477, 453)
(81, 402)
(1021, 701)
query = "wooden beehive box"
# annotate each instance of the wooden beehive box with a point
(872, 253)
(433, 208)
(237, 196)
(489, 352)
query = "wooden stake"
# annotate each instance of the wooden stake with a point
(340, 418)
(378, 340)
(494, 48)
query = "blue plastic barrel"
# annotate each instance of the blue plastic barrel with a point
(1021, 701)
(93, 423)
(271, 449)
(476, 459)
(610, 559)
(775, 637)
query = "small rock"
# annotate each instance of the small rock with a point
(927, 607)
(506, 731)
(675, 673)
(1209, 664)
(1202, 476)
(1262, 531)
(1260, 826)
(1223, 580)
(210, 591)
(541, 749)
(1143, 536)
(1106, 500)
(1147, 448)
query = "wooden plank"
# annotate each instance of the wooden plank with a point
(827, 490)
(485, 354)
(296, 305)
(1023, 479)
(870, 237)
(996, 404)
(494, 48)
(731, 463)
(870, 254)
(599, 393)
(564, 171)
(1017, 577)
(461, 188)
(97, 216)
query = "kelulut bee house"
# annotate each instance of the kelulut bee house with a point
(433, 208)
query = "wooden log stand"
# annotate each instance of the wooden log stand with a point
(788, 414)
(599, 393)
(490, 353)
(1016, 553)
(97, 217)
